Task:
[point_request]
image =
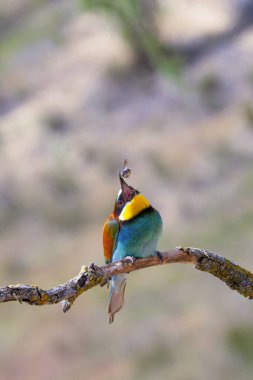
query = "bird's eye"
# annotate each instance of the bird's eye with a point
(120, 202)
(131, 195)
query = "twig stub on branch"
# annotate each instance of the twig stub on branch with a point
(231, 274)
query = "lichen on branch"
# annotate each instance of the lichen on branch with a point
(234, 276)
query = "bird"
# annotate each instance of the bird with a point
(132, 230)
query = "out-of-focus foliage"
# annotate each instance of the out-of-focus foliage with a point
(138, 22)
(240, 339)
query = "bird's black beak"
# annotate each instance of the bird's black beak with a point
(126, 190)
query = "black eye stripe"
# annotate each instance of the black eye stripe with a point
(120, 201)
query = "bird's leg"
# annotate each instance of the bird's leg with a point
(130, 259)
(100, 273)
(160, 256)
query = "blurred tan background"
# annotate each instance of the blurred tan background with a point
(169, 85)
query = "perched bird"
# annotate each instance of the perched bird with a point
(132, 229)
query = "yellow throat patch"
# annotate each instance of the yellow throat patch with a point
(134, 207)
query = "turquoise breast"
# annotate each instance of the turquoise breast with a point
(138, 237)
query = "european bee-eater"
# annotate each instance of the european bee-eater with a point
(132, 229)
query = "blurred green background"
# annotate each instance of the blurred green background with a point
(83, 85)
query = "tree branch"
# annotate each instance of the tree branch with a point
(233, 275)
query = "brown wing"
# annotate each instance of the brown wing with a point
(110, 236)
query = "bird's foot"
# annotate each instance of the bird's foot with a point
(93, 268)
(97, 271)
(160, 256)
(130, 259)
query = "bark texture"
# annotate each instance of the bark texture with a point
(231, 274)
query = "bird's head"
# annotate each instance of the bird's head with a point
(129, 202)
